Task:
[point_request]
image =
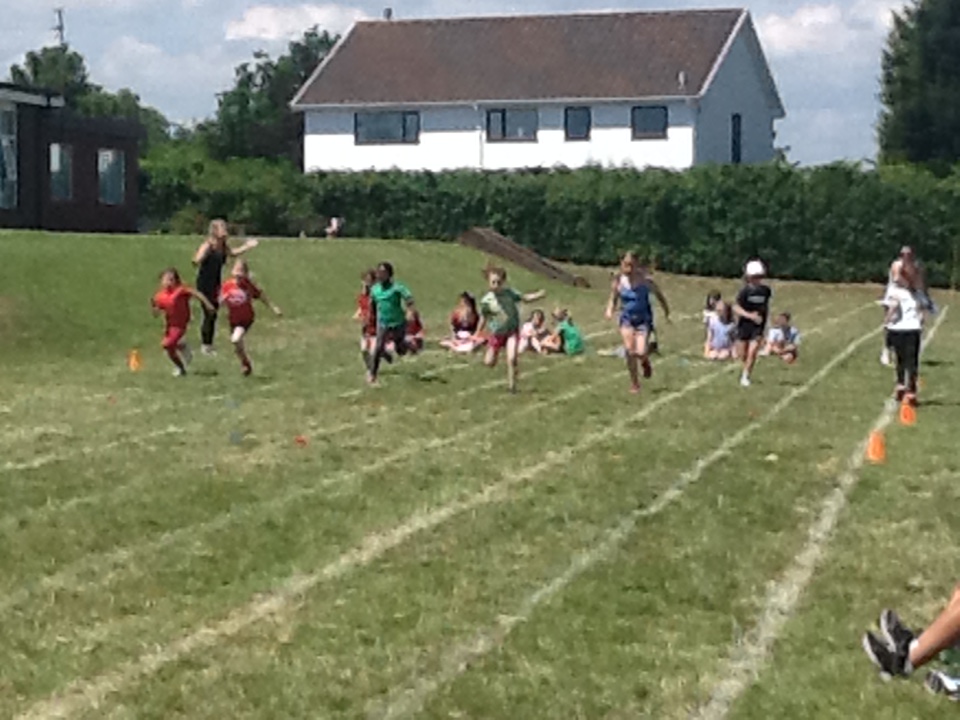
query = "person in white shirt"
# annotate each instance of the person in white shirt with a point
(904, 325)
(782, 340)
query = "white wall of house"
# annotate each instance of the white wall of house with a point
(738, 88)
(455, 137)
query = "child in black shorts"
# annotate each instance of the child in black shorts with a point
(752, 308)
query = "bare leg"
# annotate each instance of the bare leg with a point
(627, 334)
(512, 363)
(490, 358)
(942, 634)
(641, 344)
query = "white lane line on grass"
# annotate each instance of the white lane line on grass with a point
(408, 701)
(747, 661)
(84, 694)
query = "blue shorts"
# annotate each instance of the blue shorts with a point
(639, 324)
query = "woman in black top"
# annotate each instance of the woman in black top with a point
(752, 309)
(210, 258)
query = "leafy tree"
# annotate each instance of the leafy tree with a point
(54, 68)
(254, 118)
(921, 85)
(126, 103)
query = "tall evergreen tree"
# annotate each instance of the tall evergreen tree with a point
(921, 85)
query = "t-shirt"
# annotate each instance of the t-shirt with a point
(463, 323)
(755, 299)
(720, 333)
(389, 301)
(175, 305)
(414, 326)
(239, 294)
(909, 315)
(210, 272)
(368, 314)
(572, 339)
(500, 308)
(781, 336)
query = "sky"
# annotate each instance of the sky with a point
(178, 54)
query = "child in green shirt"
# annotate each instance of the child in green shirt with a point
(566, 337)
(394, 306)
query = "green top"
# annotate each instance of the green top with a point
(389, 302)
(500, 310)
(572, 339)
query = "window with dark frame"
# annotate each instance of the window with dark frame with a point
(111, 173)
(512, 125)
(61, 172)
(9, 159)
(736, 139)
(577, 123)
(386, 128)
(649, 122)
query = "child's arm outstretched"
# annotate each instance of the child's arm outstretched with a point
(203, 299)
(266, 301)
(246, 247)
(533, 297)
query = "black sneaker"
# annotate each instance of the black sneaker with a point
(940, 683)
(895, 632)
(892, 662)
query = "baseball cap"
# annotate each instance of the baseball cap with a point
(755, 268)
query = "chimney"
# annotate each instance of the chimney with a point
(682, 80)
(388, 13)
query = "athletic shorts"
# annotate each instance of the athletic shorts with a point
(638, 324)
(173, 337)
(499, 342)
(749, 331)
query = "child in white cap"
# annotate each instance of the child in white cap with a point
(752, 309)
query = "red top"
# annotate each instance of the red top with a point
(238, 294)
(414, 326)
(461, 323)
(175, 304)
(368, 314)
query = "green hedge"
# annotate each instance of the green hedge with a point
(835, 223)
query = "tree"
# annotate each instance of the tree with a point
(254, 118)
(59, 69)
(920, 121)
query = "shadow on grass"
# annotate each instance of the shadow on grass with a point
(937, 363)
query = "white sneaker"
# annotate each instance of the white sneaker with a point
(885, 357)
(186, 353)
(177, 372)
(744, 381)
(208, 350)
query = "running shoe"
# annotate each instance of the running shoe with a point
(179, 372)
(186, 353)
(895, 632)
(647, 369)
(893, 662)
(939, 683)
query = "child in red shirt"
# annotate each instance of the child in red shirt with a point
(238, 294)
(367, 314)
(415, 332)
(173, 300)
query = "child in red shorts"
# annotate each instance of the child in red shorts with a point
(173, 300)
(238, 294)
(415, 332)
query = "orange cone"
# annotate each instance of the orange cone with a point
(134, 362)
(908, 415)
(876, 448)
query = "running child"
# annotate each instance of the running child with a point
(904, 325)
(173, 300)
(393, 303)
(238, 293)
(782, 340)
(631, 290)
(719, 344)
(752, 309)
(499, 313)
(367, 315)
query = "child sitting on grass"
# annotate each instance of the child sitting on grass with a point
(534, 332)
(782, 340)
(719, 344)
(173, 301)
(566, 337)
(500, 314)
(463, 324)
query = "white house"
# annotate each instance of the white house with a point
(667, 89)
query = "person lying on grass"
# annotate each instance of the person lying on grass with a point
(782, 340)
(172, 300)
(499, 312)
(899, 651)
(566, 337)
(238, 294)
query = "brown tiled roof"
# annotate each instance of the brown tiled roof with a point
(608, 55)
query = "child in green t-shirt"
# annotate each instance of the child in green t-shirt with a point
(500, 315)
(566, 337)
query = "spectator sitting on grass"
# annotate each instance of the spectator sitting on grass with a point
(463, 325)
(782, 340)
(334, 227)
(720, 325)
(566, 337)
(534, 332)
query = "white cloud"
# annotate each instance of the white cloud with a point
(271, 22)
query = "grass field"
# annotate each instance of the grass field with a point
(440, 548)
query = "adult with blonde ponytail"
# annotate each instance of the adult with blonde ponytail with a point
(210, 259)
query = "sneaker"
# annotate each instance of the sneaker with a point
(179, 372)
(208, 350)
(892, 662)
(894, 631)
(247, 369)
(186, 353)
(885, 357)
(744, 381)
(647, 369)
(939, 683)
(899, 393)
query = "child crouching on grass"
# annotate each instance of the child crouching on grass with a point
(238, 293)
(566, 338)
(499, 312)
(173, 300)
(782, 340)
